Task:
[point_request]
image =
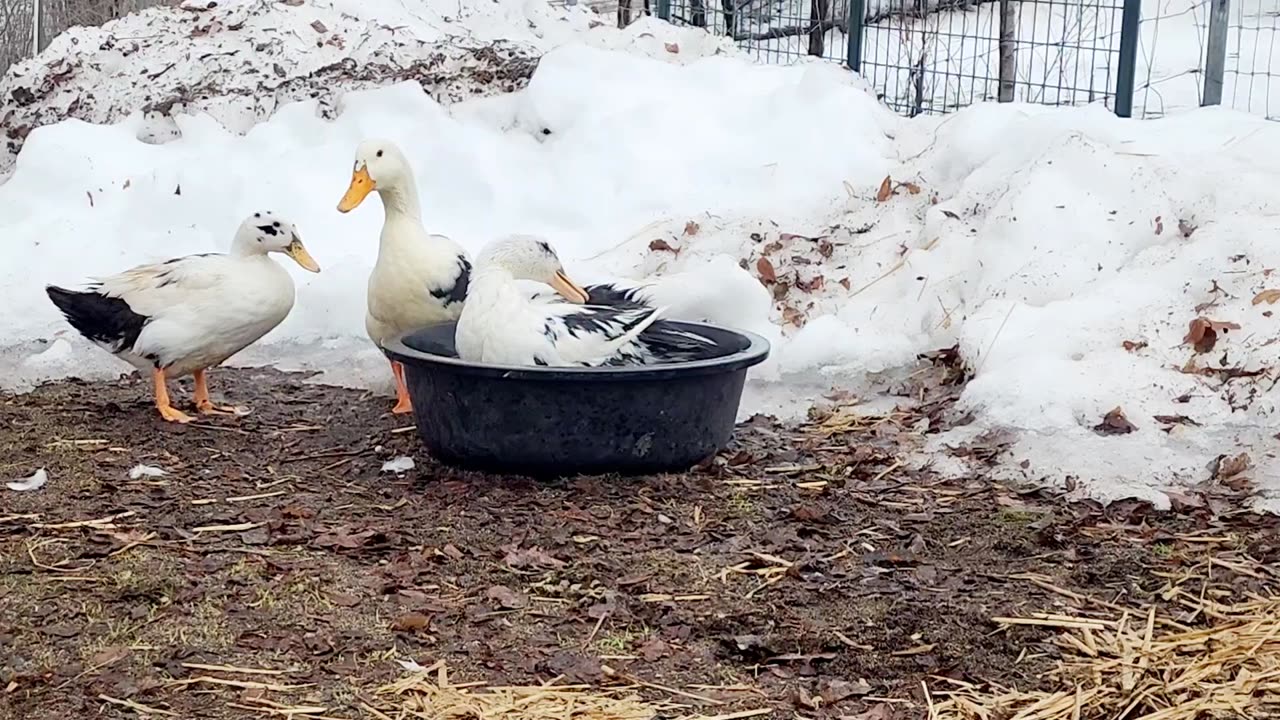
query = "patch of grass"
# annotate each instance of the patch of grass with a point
(1016, 517)
(202, 625)
(742, 505)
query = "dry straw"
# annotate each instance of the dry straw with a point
(1143, 666)
(429, 694)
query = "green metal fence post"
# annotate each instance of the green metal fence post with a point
(853, 33)
(1128, 69)
(1215, 59)
(664, 10)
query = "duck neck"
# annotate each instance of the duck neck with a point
(400, 201)
(247, 247)
(490, 282)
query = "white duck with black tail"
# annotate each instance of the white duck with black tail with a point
(503, 324)
(188, 314)
(419, 278)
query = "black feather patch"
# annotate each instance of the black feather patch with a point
(100, 318)
(539, 361)
(268, 229)
(603, 320)
(457, 292)
(666, 342)
(608, 294)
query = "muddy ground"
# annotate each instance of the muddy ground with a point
(805, 570)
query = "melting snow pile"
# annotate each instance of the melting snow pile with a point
(242, 60)
(1109, 283)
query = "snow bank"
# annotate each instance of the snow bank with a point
(599, 146)
(1066, 252)
(242, 60)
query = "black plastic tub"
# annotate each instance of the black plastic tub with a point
(550, 421)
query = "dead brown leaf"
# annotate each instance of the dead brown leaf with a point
(812, 285)
(1132, 346)
(1159, 224)
(1175, 420)
(793, 316)
(1269, 297)
(1114, 423)
(825, 248)
(1203, 333)
(765, 270)
(654, 650)
(845, 283)
(672, 48)
(912, 188)
(411, 622)
(107, 656)
(661, 244)
(1230, 467)
(342, 599)
(506, 598)
(691, 228)
(293, 3)
(886, 189)
(1186, 228)
(319, 27)
(529, 558)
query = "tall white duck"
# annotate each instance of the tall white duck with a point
(419, 278)
(505, 324)
(185, 315)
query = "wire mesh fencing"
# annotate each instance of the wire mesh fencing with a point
(17, 31)
(935, 56)
(23, 21)
(1209, 52)
(939, 58)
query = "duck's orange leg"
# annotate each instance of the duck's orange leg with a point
(204, 404)
(403, 403)
(167, 411)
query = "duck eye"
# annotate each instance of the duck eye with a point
(379, 153)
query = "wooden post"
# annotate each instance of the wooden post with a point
(818, 10)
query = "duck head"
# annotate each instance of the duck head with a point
(265, 232)
(527, 257)
(381, 166)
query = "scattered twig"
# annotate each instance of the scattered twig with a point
(136, 706)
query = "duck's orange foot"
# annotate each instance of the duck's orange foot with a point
(166, 409)
(208, 408)
(173, 414)
(204, 405)
(403, 403)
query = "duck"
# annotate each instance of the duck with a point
(419, 278)
(505, 325)
(187, 314)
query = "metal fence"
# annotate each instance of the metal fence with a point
(27, 26)
(1140, 57)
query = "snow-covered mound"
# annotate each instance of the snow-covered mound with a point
(240, 61)
(1109, 283)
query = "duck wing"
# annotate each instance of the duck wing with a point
(664, 341)
(113, 311)
(594, 335)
